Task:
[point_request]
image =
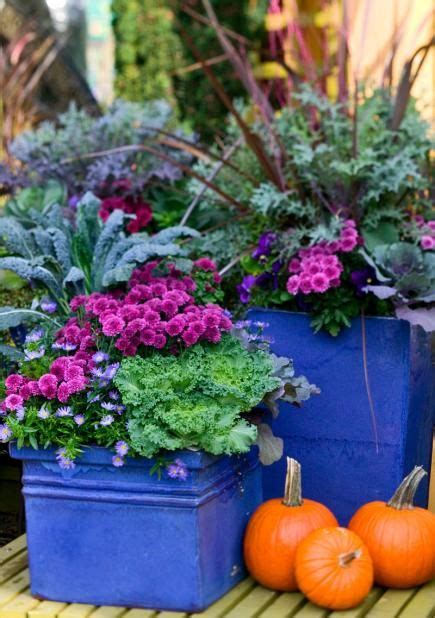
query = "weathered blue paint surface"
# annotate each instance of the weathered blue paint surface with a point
(332, 435)
(109, 536)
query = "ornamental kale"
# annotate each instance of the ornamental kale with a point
(199, 399)
(61, 150)
(64, 259)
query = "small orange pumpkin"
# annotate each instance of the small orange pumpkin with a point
(400, 537)
(334, 568)
(276, 529)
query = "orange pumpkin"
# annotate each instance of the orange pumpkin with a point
(276, 529)
(400, 537)
(334, 568)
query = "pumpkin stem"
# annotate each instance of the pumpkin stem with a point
(293, 492)
(346, 559)
(404, 495)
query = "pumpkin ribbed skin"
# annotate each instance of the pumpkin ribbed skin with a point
(273, 535)
(401, 543)
(333, 568)
(400, 537)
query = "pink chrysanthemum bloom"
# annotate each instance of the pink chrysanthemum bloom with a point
(293, 284)
(294, 265)
(13, 382)
(14, 402)
(320, 282)
(48, 385)
(175, 326)
(113, 326)
(305, 285)
(427, 242)
(205, 264)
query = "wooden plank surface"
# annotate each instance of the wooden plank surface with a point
(246, 600)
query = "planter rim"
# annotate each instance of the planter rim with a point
(307, 315)
(100, 455)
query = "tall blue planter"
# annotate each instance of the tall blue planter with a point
(332, 435)
(118, 536)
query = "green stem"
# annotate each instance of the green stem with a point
(404, 495)
(293, 492)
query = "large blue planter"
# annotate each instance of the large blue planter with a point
(118, 536)
(332, 435)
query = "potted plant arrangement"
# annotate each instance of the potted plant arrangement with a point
(329, 237)
(134, 424)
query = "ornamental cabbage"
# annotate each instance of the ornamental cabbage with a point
(195, 400)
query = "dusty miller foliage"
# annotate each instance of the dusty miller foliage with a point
(364, 170)
(44, 151)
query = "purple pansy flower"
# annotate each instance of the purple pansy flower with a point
(244, 288)
(362, 278)
(264, 247)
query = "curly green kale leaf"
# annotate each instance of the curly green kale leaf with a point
(195, 400)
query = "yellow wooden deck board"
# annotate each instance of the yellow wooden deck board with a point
(13, 566)
(422, 604)
(246, 600)
(77, 610)
(140, 613)
(253, 603)
(286, 605)
(47, 609)
(19, 606)
(357, 612)
(14, 586)
(230, 600)
(11, 549)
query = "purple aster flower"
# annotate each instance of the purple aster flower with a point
(109, 406)
(120, 409)
(79, 419)
(64, 411)
(107, 420)
(114, 395)
(177, 470)
(43, 413)
(244, 288)
(5, 433)
(121, 448)
(20, 413)
(100, 357)
(362, 278)
(103, 382)
(264, 247)
(117, 461)
(64, 462)
(111, 370)
(67, 347)
(30, 355)
(34, 336)
(48, 305)
(98, 372)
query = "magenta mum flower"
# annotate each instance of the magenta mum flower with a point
(113, 326)
(320, 282)
(13, 382)
(14, 402)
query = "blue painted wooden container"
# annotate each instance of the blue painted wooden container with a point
(332, 435)
(118, 536)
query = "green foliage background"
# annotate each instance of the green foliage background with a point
(150, 50)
